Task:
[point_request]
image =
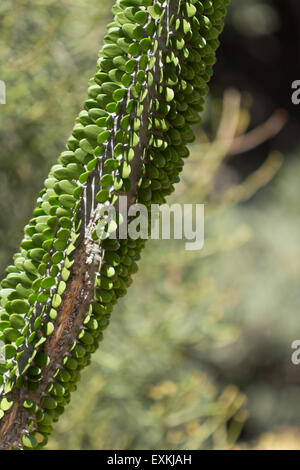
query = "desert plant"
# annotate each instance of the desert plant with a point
(130, 139)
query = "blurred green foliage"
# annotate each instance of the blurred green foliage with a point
(267, 286)
(193, 323)
(254, 18)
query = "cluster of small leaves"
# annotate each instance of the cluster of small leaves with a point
(149, 86)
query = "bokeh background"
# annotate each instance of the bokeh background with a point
(198, 354)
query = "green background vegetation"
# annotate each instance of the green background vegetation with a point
(198, 353)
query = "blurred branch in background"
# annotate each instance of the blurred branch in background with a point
(260, 134)
(232, 138)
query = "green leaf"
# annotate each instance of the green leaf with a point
(41, 359)
(103, 137)
(65, 186)
(36, 254)
(134, 49)
(112, 107)
(48, 403)
(130, 65)
(67, 201)
(128, 29)
(56, 301)
(111, 164)
(84, 177)
(86, 146)
(60, 245)
(29, 441)
(20, 306)
(61, 287)
(102, 196)
(141, 17)
(6, 404)
(146, 44)
(48, 328)
(125, 170)
(4, 324)
(169, 94)
(64, 234)
(126, 79)
(10, 351)
(57, 257)
(119, 94)
(111, 50)
(48, 282)
(34, 370)
(106, 180)
(65, 274)
(155, 11)
(17, 321)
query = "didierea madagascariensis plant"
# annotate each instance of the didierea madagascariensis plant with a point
(130, 139)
